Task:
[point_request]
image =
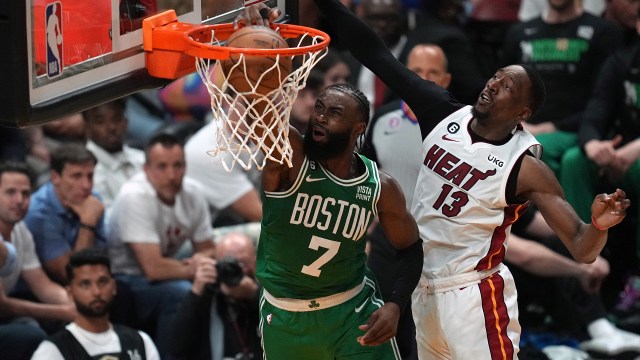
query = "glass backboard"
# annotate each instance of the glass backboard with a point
(69, 55)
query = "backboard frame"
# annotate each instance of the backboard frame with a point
(26, 100)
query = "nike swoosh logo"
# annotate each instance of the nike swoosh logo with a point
(446, 138)
(359, 308)
(310, 179)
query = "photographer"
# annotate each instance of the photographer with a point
(227, 286)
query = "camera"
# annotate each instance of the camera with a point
(229, 271)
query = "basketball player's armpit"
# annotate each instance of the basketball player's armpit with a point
(408, 274)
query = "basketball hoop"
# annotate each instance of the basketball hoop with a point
(174, 49)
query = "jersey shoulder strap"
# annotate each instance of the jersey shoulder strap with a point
(69, 347)
(131, 343)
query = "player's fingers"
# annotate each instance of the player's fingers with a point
(237, 21)
(250, 15)
(258, 15)
(617, 197)
(622, 204)
(267, 16)
(377, 335)
(370, 322)
(274, 14)
(619, 207)
(366, 327)
(264, 17)
(376, 331)
(602, 197)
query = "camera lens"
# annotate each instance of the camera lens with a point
(229, 271)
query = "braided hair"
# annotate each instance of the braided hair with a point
(361, 101)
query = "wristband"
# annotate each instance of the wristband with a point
(86, 226)
(595, 224)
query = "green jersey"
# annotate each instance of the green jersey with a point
(312, 238)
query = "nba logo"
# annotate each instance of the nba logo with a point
(53, 23)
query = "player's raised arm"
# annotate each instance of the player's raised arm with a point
(369, 49)
(584, 241)
(425, 98)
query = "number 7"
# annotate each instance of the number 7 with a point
(332, 247)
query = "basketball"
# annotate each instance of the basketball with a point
(256, 37)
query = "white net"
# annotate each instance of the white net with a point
(250, 123)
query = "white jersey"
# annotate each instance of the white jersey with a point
(460, 198)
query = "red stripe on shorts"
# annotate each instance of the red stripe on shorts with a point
(496, 318)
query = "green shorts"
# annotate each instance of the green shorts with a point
(325, 334)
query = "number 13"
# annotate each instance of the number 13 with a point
(460, 199)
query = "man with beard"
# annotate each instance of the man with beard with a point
(91, 335)
(479, 173)
(311, 257)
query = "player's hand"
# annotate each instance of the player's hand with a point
(257, 14)
(382, 325)
(608, 210)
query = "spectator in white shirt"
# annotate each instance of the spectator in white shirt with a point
(155, 213)
(106, 126)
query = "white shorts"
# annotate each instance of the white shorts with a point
(469, 316)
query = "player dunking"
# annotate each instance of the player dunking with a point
(479, 173)
(311, 258)
(319, 301)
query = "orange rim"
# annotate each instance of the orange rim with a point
(198, 36)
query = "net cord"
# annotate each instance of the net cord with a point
(238, 113)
